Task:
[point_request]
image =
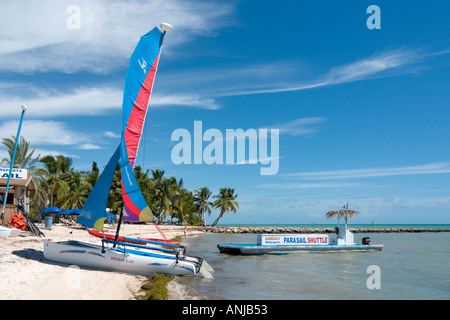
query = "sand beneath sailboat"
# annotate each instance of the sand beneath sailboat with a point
(26, 274)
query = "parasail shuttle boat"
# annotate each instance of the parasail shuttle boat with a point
(342, 241)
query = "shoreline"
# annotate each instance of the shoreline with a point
(249, 229)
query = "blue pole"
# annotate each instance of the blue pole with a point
(24, 108)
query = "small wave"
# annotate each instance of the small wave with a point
(178, 291)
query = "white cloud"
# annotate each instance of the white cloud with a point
(46, 152)
(373, 66)
(111, 134)
(379, 65)
(46, 104)
(89, 146)
(301, 126)
(184, 100)
(41, 132)
(34, 35)
(284, 76)
(432, 168)
(90, 102)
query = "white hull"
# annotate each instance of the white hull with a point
(142, 262)
(8, 232)
(256, 249)
(4, 232)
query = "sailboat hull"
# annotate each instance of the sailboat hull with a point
(85, 254)
(4, 232)
(9, 232)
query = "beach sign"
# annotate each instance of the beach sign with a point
(292, 239)
(16, 173)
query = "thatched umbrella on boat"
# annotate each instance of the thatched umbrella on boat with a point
(344, 234)
(345, 212)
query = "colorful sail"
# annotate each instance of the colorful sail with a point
(138, 88)
(94, 210)
(135, 207)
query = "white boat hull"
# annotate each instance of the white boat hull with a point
(9, 232)
(142, 262)
(255, 249)
(4, 232)
(287, 243)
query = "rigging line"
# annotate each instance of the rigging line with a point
(144, 142)
(164, 236)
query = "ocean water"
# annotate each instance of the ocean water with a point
(411, 266)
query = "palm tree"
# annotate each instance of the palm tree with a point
(166, 193)
(76, 193)
(57, 175)
(226, 202)
(64, 165)
(58, 165)
(184, 208)
(157, 175)
(176, 192)
(163, 194)
(24, 157)
(91, 177)
(201, 197)
(115, 201)
(40, 198)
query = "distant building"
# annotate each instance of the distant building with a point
(19, 187)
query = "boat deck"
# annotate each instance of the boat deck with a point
(255, 249)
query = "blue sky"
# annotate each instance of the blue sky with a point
(363, 114)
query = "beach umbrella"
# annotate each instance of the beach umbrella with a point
(341, 213)
(72, 212)
(51, 210)
(76, 212)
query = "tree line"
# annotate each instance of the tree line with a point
(59, 184)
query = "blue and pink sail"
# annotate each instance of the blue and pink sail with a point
(138, 88)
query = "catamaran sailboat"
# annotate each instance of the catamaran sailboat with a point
(142, 257)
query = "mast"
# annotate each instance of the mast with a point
(24, 108)
(119, 223)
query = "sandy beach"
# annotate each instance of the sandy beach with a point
(26, 274)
